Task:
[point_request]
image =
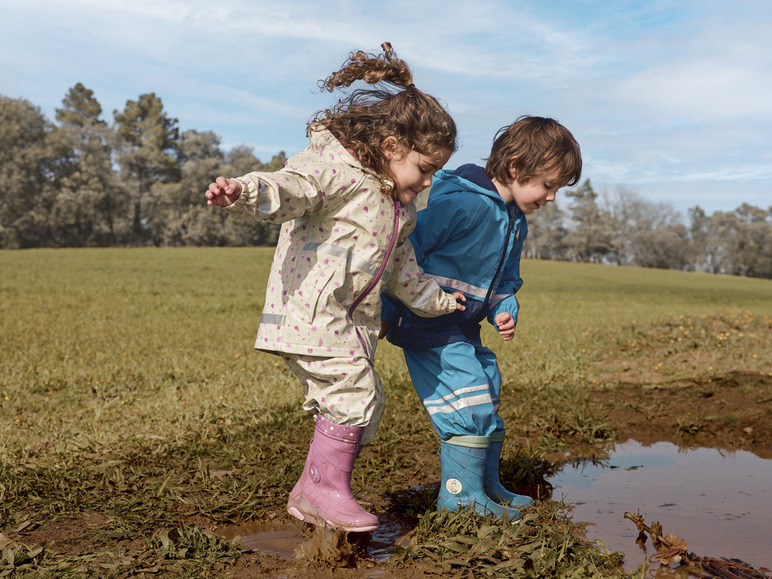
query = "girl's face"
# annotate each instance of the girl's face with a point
(412, 171)
(533, 193)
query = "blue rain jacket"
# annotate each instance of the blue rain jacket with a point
(467, 239)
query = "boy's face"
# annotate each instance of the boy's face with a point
(533, 193)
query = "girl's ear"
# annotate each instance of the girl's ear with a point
(391, 148)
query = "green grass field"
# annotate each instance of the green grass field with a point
(130, 393)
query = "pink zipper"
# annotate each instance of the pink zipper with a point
(377, 277)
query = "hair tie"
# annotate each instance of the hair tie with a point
(411, 85)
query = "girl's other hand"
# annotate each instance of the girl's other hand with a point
(223, 192)
(460, 297)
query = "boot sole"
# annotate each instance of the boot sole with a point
(317, 518)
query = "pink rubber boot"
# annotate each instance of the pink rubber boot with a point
(323, 496)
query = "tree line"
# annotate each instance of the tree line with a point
(83, 182)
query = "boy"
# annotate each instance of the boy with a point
(470, 238)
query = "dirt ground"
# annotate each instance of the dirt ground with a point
(728, 411)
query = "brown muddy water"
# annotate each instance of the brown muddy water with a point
(719, 502)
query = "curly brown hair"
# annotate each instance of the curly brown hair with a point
(533, 146)
(366, 117)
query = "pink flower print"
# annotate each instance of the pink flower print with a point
(353, 180)
(310, 350)
(340, 398)
(296, 329)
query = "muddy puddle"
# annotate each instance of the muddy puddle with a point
(293, 539)
(719, 502)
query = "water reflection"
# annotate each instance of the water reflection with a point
(720, 502)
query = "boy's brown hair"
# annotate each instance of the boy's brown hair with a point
(365, 118)
(532, 146)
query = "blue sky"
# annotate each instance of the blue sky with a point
(668, 99)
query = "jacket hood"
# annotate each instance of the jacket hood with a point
(469, 177)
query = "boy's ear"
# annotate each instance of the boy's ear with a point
(391, 148)
(512, 166)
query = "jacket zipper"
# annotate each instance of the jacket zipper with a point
(378, 275)
(510, 227)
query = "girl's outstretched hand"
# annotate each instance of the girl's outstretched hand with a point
(460, 297)
(506, 326)
(223, 192)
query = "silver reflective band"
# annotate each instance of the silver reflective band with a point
(344, 253)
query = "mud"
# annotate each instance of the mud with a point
(715, 426)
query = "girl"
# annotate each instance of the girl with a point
(346, 207)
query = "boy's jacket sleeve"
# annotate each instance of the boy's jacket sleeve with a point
(511, 281)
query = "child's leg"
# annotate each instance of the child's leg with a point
(346, 396)
(346, 391)
(459, 385)
(455, 389)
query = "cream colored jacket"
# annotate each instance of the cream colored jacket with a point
(341, 241)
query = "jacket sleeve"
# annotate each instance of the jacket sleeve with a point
(511, 282)
(288, 194)
(410, 285)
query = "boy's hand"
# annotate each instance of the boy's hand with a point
(460, 297)
(506, 325)
(223, 192)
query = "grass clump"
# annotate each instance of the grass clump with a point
(544, 543)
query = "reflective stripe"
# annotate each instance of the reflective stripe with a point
(273, 319)
(343, 253)
(498, 298)
(444, 405)
(467, 288)
(469, 441)
(425, 297)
